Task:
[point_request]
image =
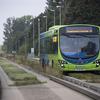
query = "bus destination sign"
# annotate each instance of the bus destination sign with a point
(79, 29)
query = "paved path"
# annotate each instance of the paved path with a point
(95, 84)
(46, 91)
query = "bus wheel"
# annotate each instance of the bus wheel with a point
(65, 73)
(43, 63)
(97, 72)
(48, 62)
(52, 63)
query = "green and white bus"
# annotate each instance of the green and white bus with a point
(72, 47)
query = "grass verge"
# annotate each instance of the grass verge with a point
(35, 65)
(19, 76)
(88, 77)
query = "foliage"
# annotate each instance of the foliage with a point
(16, 30)
(82, 11)
(23, 49)
(36, 65)
(88, 77)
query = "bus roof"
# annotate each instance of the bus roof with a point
(56, 27)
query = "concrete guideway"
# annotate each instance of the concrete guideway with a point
(83, 90)
(50, 91)
(3, 74)
(9, 93)
(47, 91)
(95, 84)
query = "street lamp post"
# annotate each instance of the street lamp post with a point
(18, 44)
(46, 21)
(25, 46)
(54, 15)
(33, 40)
(60, 17)
(33, 32)
(38, 37)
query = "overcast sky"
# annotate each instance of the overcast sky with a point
(18, 8)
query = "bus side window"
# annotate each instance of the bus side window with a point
(49, 45)
(42, 46)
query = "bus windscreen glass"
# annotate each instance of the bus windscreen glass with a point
(79, 44)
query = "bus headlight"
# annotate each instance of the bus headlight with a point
(62, 65)
(62, 62)
(97, 62)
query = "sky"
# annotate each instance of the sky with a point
(19, 8)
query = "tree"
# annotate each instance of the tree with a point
(15, 30)
(83, 11)
(8, 33)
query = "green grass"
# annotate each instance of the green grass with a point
(89, 77)
(19, 76)
(55, 71)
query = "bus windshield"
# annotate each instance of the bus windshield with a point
(79, 45)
